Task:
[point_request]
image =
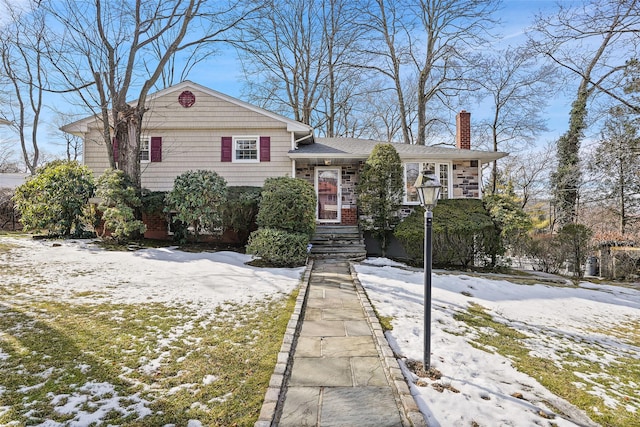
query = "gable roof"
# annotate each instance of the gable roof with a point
(81, 126)
(353, 148)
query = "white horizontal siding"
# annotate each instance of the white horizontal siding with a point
(191, 140)
(203, 151)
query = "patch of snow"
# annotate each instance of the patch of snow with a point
(82, 272)
(554, 318)
(101, 398)
(209, 379)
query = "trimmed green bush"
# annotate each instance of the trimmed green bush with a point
(279, 247)
(410, 233)
(197, 199)
(240, 212)
(54, 199)
(288, 204)
(380, 189)
(119, 201)
(462, 231)
(287, 221)
(152, 201)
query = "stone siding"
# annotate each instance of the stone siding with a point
(466, 179)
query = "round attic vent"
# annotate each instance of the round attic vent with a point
(187, 99)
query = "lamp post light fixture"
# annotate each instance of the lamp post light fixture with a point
(428, 188)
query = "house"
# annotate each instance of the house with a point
(190, 127)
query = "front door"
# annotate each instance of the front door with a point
(329, 195)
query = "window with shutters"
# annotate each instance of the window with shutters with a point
(246, 149)
(145, 149)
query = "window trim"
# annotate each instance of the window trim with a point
(234, 150)
(147, 139)
(421, 165)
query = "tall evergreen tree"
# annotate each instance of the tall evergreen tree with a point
(615, 166)
(380, 190)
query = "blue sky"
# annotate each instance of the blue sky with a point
(223, 72)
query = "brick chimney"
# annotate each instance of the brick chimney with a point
(463, 130)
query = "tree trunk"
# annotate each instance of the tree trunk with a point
(128, 127)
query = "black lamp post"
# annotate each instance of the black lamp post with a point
(428, 187)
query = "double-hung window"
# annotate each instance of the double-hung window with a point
(145, 149)
(246, 149)
(411, 172)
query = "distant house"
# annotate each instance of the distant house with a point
(8, 184)
(11, 181)
(191, 127)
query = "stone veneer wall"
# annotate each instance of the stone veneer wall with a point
(349, 177)
(466, 179)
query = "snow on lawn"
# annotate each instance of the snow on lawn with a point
(558, 320)
(165, 275)
(81, 272)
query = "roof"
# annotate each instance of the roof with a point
(353, 148)
(81, 126)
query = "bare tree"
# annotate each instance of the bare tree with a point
(23, 49)
(432, 42)
(529, 174)
(297, 57)
(587, 42)
(72, 143)
(109, 42)
(386, 53)
(516, 88)
(283, 57)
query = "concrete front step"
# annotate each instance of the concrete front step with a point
(338, 242)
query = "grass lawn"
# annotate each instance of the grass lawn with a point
(132, 364)
(582, 374)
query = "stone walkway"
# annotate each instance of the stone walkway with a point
(342, 371)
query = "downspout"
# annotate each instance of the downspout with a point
(293, 161)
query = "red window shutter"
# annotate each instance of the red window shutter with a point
(227, 148)
(156, 148)
(115, 148)
(265, 149)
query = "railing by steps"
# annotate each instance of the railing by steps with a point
(338, 241)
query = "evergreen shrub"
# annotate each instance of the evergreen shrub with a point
(197, 199)
(287, 221)
(380, 189)
(279, 247)
(55, 198)
(119, 201)
(288, 204)
(462, 231)
(240, 212)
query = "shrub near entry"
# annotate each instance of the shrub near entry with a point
(279, 247)
(286, 220)
(288, 204)
(462, 230)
